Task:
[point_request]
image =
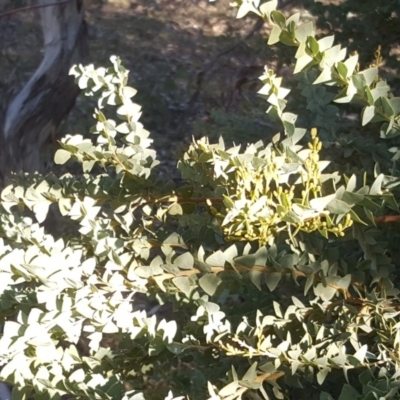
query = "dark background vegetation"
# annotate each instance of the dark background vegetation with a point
(194, 64)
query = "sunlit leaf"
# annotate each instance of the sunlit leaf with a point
(209, 283)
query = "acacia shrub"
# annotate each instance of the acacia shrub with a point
(276, 270)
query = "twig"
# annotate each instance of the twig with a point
(387, 219)
(28, 8)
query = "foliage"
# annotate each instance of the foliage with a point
(246, 223)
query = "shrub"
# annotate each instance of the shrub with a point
(278, 277)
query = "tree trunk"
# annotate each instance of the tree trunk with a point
(5, 392)
(38, 109)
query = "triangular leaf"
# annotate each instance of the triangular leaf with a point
(183, 284)
(62, 156)
(209, 283)
(272, 279)
(184, 261)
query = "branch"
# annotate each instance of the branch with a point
(387, 219)
(23, 9)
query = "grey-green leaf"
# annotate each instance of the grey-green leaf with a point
(62, 156)
(337, 206)
(183, 284)
(209, 283)
(184, 261)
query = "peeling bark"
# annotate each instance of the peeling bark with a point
(38, 109)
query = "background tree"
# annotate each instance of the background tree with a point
(35, 113)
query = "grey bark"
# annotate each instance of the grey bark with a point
(5, 392)
(38, 109)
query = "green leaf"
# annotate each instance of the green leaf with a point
(207, 235)
(291, 217)
(77, 376)
(324, 76)
(380, 90)
(146, 271)
(184, 261)
(128, 92)
(216, 259)
(229, 389)
(272, 279)
(202, 266)
(274, 36)
(261, 256)
(342, 70)
(297, 302)
(348, 393)
(277, 309)
(83, 82)
(304, 31)
(302, 63)
(176, 348)
(134, 395)
(209, 283)
(367, 114)
(175, 209)
(326, 43)
(351, 64)
(185, 191)
(267, 7)
(87, 166)
(359, 82)
(41, 210)
(21, 393)
(387, 132)
(301, 50)
(277, 391)
(346, 95)
(62, 156)
(395, 104)
(322, 374)
(390, 199)
(183, 284)
(320, 203)
(361, 352)
(251, 373)
(278, 18)
(65, 206)
(369, 74)
(366, 377)
(344, 282)
(352, 198)
(313, 45)
(376, 188)
(387, 107)
(309, 283)
(287, 39)
(256, 278)
(325, 396)
(247, 261)
(244, 9)
(324, 292)
(294, 18)
(230, 253)
(334, 55)
(351, 184)
(173, 238)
